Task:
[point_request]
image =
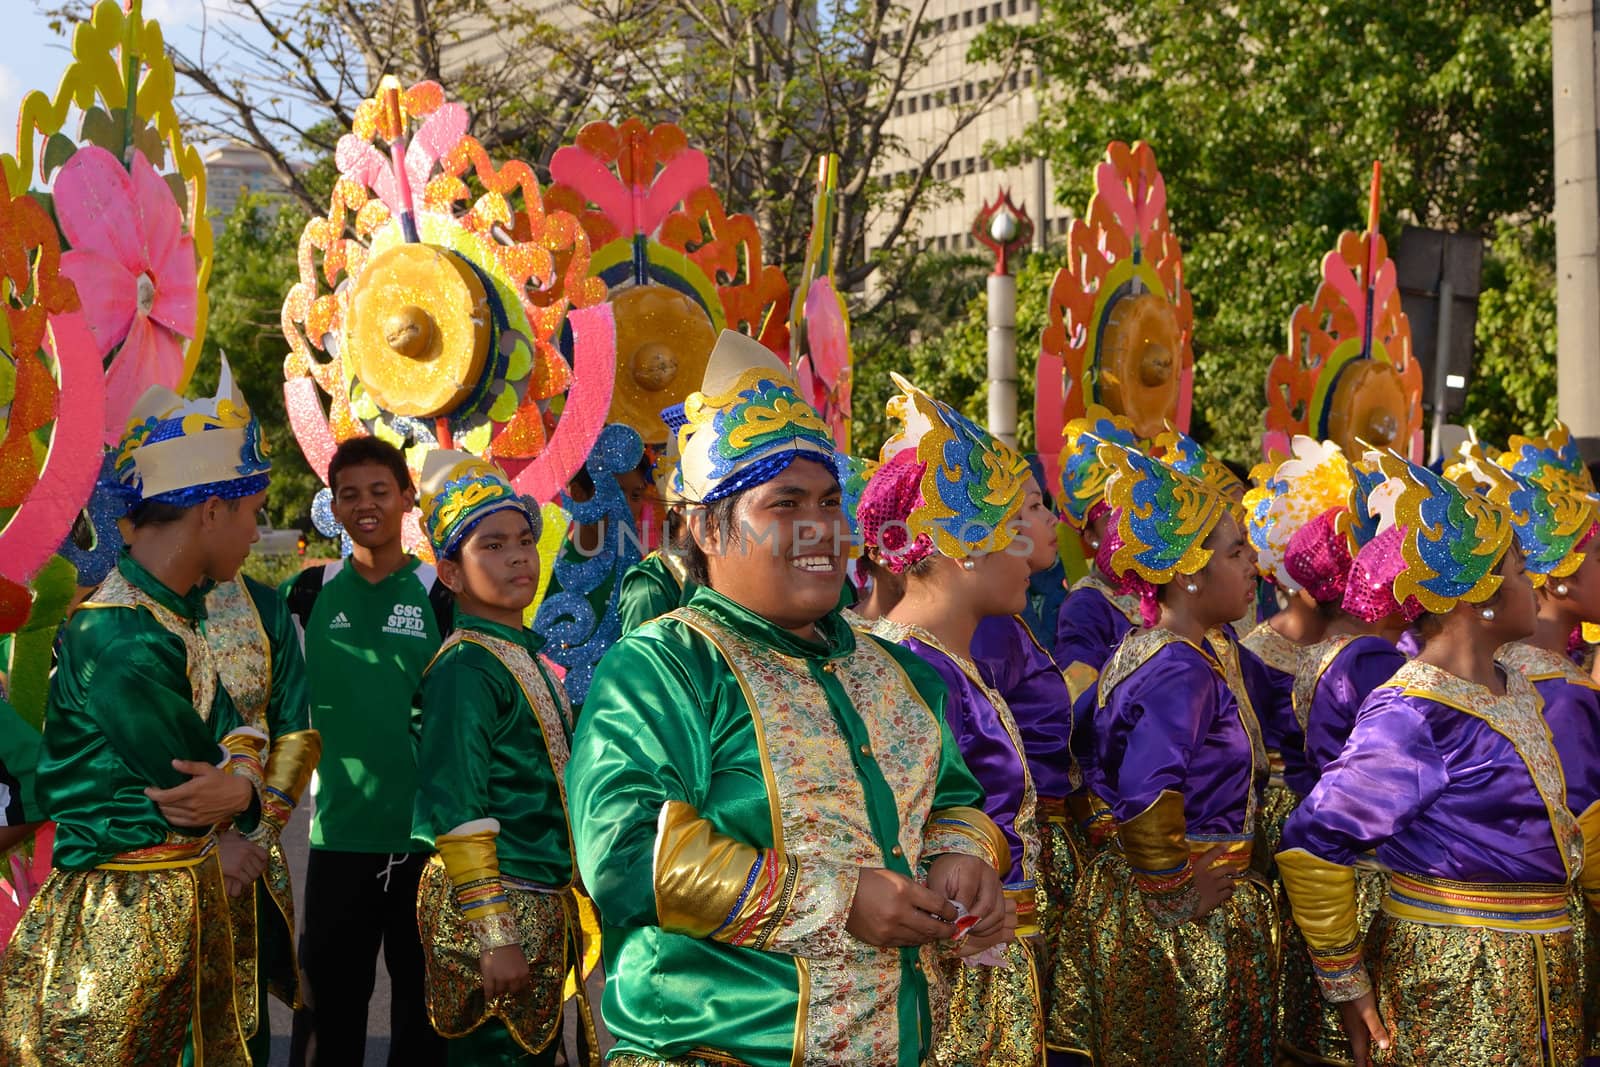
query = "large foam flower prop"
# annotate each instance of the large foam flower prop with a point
(130, 251)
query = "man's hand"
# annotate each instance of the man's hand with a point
(504, 970)
(892, 911)
(972, 883)
(208, 797)
(1363, 1027)
(1213, 884)
(242, 861)
(975, 943)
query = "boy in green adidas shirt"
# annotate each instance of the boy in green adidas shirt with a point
(372, 623)
(496, 906)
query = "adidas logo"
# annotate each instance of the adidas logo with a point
(340, 622)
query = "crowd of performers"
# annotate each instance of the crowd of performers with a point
(892, 820)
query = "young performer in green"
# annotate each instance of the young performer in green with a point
(496, 909)
(126, 953)
(769, 810)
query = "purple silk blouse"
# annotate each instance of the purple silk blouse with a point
(1438, 791)
(1359, 667)
(1271, 692)
(1174, 724)
(1088, 629)
(1013, 663)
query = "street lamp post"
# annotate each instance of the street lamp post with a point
(1005, 229)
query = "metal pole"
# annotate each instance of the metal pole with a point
(1577, 219)
(1441, 366)
(1003, 357)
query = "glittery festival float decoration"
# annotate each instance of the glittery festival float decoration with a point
(576, 633)
(819, 321)
(430, 318)
(1349, 374)
(1121, 318)
(678, 267)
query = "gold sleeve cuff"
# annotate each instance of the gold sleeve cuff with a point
(1154, 840)
(291, 761)
(473, 865)
(1589, 877)
(969, 832)
(709, 885)
(1080, 679)
(1322, 899)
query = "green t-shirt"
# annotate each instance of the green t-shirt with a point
(367, 645)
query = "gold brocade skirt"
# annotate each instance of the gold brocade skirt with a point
(988, 1016)
(1308, 1025)
(1065, 944)
(1468, 996)
(1277, 804)
(1586, 934)
(548, 925)
(108, 967)
(270, 898)
(1200, 994)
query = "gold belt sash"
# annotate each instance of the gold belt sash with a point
(1519, 908)
(166, 856)
(1236, 852)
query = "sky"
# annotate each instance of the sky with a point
(35, 57)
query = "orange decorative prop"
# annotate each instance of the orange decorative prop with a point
(1120, 317)
(644, 198)
(1349, 376)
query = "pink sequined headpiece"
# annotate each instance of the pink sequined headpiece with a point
(1318, 557)
(1129, 584)
(1369, 593)
(893, 492)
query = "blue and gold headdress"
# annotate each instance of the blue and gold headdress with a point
(1083, 476)
(973, 485)
(459, 490)
(1550, 462)
(1187, 456)
(183, 452)
(1455, 537)
(1163, 515)
(1550, 519)
(746, 423)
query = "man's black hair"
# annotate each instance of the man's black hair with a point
(359, 450)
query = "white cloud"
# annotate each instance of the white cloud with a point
(174, 12)
(11, 90)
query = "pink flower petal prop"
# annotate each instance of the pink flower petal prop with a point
(107, 293)
(635, 210)
(65, 484)
(363, 163)
(1047, 416)
(95, 204)
(152, 355)
(438, 136)
(594, 348)
(161, 223)
(310, 425)
(826, 332)
(177, 295)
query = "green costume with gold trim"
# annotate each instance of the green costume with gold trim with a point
(651, 588)
(728, 783)
(134, 914)
(494, 733)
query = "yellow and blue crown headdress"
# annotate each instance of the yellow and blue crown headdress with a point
(1550, 519)
(745, 424)
(458, 491)
(1455, 537)
(1187, 456)
(1551, 462)
(1083, 476)
(1163, 515)
(183, 452)
(1315, 478)
(973, 484)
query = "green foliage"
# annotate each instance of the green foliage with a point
(1266, 116)
(253, 270)
(1513, 387)
(273, 570)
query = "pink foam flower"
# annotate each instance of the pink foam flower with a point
(134, 267)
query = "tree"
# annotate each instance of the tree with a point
(1266, 116)
(765, 87)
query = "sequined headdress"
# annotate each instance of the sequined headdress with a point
(182, 452)
(458, 491)
(746, 423)
(1551, 461)
(1083, 476)
(1315, 479)
(1187, 456)
(1164, 516)
(1550, 513)
(973, 484)
(1454, 540)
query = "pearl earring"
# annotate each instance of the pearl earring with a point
(1561, 589)
(1488, 614)
(1191, 587)
(968, 565)
(1094, 544)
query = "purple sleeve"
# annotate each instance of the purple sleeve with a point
(998, 651)
(1148, 731)
(1573, 715)
(1363, 665)
(1088, 628)
(1387, 775)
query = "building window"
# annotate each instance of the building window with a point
(967, 91)
(911, 105)
(1011, 7)
(1027, 76)
(983, 15)
(1011, 81)
(939, 171)
(966, 17)
(927, 101)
